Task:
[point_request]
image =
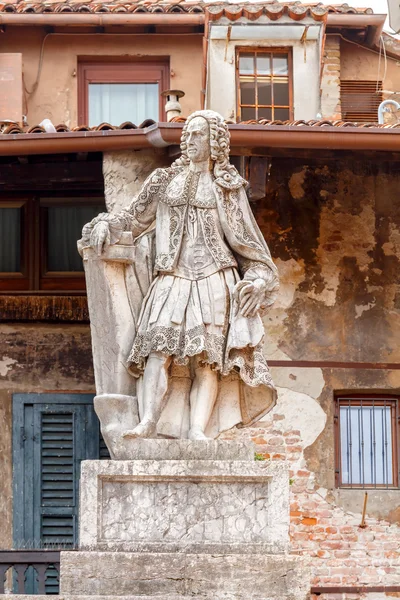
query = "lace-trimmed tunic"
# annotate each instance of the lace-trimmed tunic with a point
(206, 241)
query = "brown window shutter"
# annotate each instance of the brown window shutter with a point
(360, 100)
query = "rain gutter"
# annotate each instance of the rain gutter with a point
(325, 137)
(168, 134)
(101, 19)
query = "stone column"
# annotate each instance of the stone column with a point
(125, 171)
(330, 81)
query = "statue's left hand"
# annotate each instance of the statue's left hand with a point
(250, 296)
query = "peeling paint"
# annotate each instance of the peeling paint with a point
(6, 365)
(392, 247)
(300, 412)
(291, 274)
(361, 308)
(306, 381)
(342, 234)
(296, 184)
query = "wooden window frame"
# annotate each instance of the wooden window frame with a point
(154, 69)
(264, 50)
(368, 400)
(58, 280)
(19, 280)
(34, 276)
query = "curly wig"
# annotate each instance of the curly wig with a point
(219, 145)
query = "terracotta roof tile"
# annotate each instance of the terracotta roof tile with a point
(251, 10)
(275, 10)
(13, 128)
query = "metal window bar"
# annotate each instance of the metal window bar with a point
(374, 440)
(349, 438)
(362, 419)
(385, 446)
(362, 445)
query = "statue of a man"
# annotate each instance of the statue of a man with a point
(213, 276)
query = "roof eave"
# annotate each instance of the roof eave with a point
(372, 22)
(72, 19)
(161, 135)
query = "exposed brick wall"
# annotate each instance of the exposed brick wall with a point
(330, 81)
(341, 553)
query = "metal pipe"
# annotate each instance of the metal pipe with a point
(364, 511)
(101, 19)
(382, 107)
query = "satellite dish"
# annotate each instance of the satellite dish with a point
(389, 110)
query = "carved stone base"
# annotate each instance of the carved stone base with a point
(198, 519)
(163, 505)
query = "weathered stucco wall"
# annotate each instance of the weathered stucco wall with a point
(221, 84)
(36, 358)
(56, 96)
(334, 228)
(361, 63)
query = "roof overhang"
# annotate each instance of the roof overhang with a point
(189, 13)
(162, 135)
(370, 25)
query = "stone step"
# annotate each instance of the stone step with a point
(68, 597)
(162, 596)
(162, 576)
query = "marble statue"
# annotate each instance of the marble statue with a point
(196, 292)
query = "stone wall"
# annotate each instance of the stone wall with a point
(330, 80)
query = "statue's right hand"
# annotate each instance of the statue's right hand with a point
(100, 237)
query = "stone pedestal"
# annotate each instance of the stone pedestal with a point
(170, 525)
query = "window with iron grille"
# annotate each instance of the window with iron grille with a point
(360, 100)
(367, 441)
(264, 84)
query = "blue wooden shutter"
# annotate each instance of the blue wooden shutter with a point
(56, 445)
(50, 440)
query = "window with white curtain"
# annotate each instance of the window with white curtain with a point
(118, 91)
(116, 103)
(366, 441)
